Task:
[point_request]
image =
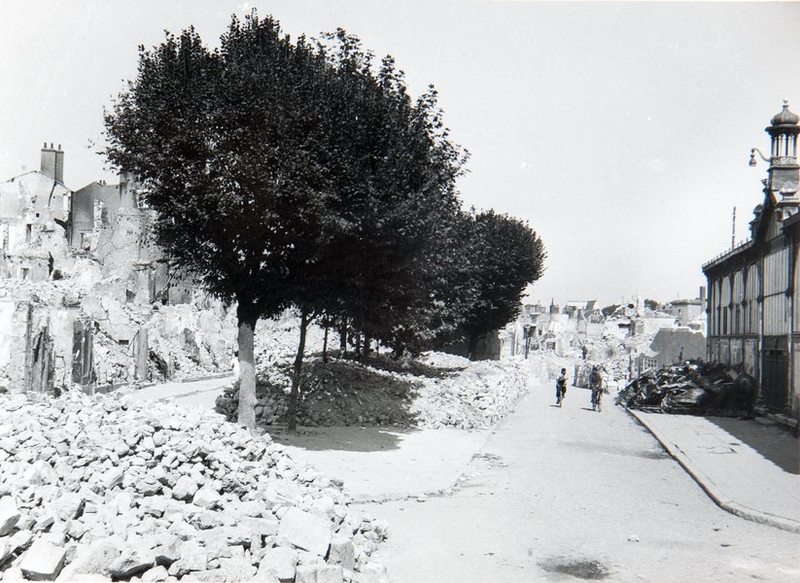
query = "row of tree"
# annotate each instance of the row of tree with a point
(300, 174)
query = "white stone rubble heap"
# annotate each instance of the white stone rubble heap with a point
(451, 391)
(475, 395)
(102, 488)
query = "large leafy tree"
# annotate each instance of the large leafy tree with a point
(286, 174)
(229, 145)
(393, 172)
(505, 256)
(396, 171)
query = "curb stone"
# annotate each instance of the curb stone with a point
(705, 483)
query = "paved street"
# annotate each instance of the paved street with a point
(203, 393)
(554, 494)
(562, 493)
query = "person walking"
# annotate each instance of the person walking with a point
(561, 387)
(596, 385)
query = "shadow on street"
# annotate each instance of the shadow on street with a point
(773, 441)
(360, 439)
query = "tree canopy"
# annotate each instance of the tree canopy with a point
(286, 173)
(297, 173)
(396, 172)
(505, 256)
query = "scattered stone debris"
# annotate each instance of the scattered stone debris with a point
(695, 388)
(436, 391)
(110, 489)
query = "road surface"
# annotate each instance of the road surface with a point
(570, 494)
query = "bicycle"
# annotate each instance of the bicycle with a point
(561, 387)
(597, 400)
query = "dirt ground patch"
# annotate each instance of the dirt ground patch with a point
(578, 568)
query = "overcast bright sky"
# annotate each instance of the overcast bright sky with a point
(619, 131)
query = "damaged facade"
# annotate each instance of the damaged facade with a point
(86, 297)
(34, 215)
(687, 311)
(753, 318)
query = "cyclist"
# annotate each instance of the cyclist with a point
(561, 386)
(596, 384)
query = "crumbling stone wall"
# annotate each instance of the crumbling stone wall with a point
(193, 338)
(82, 270)
(128, 341)
(33, 212)
(675, 345)
(14, 321)
(36, 350)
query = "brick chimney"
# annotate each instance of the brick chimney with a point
(53, 163)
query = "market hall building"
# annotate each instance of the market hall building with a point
(753, 308)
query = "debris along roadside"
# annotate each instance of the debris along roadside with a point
(106, 486)
(693, 388)
(435, 390)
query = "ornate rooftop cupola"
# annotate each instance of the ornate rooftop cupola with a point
(784, 172)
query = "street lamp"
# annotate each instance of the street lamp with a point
(753, 156)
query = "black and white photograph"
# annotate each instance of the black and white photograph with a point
(399, 291)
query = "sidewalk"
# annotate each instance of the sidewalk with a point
(375, 464)
(734, 474)
(381, 464)
(203, 392)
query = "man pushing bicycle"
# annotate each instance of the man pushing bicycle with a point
(596, 385)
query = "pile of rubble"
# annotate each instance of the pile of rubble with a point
(695, 387)
(184, 341)
(475, 396)
(435, 391)
(122, 491)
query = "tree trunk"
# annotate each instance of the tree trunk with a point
(473, 346)
(247, 373)
(291, 414)
(325, 345)
(365, 351)
(343, 337)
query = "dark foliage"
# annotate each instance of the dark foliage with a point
(290, 174)
(505, 256)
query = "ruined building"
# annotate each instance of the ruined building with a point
(753, 306)
(34, 215)
(86, 297)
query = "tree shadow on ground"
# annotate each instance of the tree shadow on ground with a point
(772, 441)
(358, 439)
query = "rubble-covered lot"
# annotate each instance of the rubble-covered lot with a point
(104, 489)
(436, 390)
(695, 387)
